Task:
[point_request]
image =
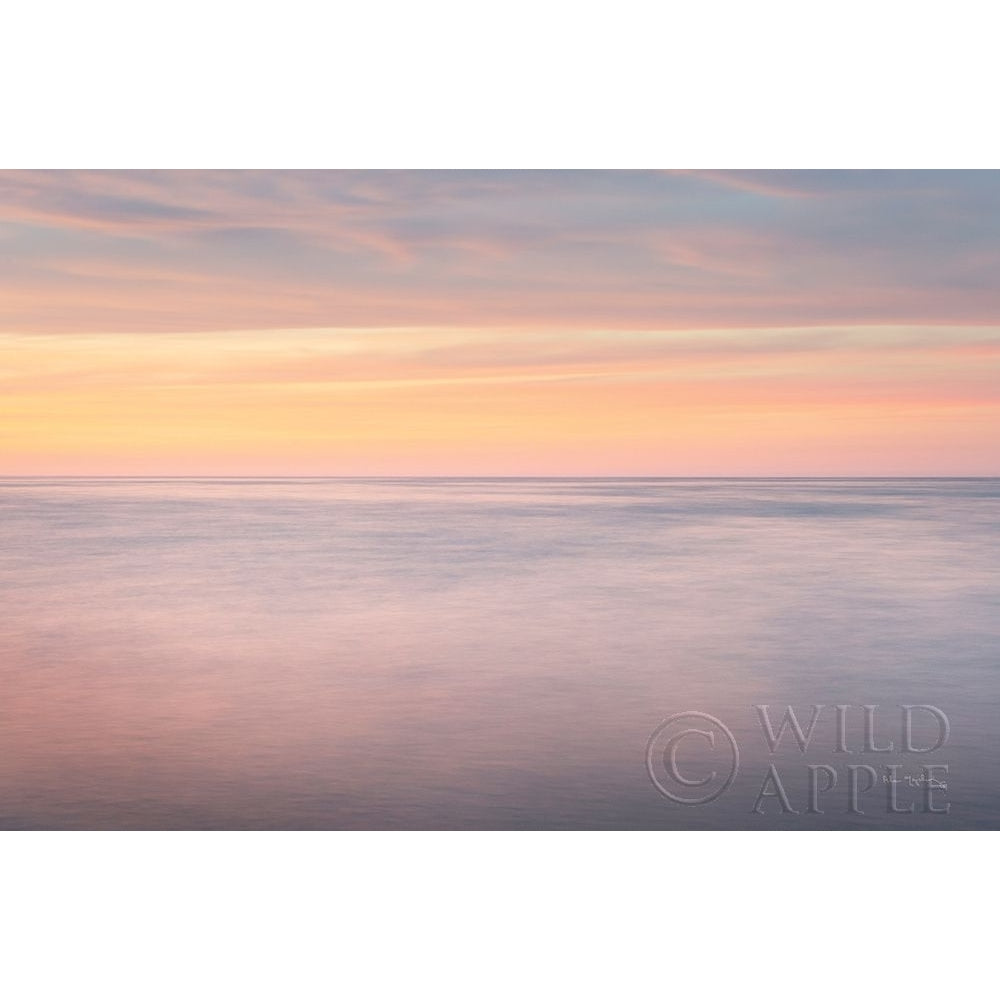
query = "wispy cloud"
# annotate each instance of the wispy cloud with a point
(243, 249)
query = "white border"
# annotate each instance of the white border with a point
(496, 915)
(527, 83)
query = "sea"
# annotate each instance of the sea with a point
(470, 654)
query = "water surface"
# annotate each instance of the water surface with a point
(475, 653)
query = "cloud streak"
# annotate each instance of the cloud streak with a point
(185, 251)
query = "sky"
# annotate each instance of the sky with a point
(652, 323)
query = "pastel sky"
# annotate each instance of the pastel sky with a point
(500, 323)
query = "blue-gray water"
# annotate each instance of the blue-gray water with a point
(474, 653)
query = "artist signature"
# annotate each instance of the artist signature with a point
(914, 781)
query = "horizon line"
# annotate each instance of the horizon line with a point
(386, 476)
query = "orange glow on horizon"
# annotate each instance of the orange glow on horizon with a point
(459, 401)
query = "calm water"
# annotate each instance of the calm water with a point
(487, 653)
